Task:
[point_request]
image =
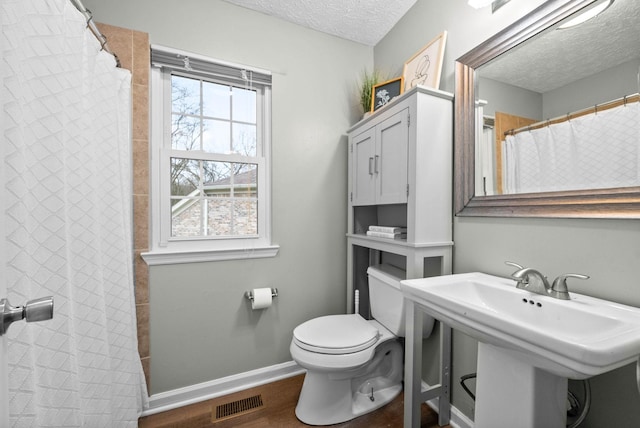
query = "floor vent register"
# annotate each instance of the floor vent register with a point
(237, 408)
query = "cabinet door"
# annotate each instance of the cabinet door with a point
(363, 147)
(390, 162)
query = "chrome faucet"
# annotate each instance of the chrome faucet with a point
(532, 280)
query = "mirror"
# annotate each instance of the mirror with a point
(485, 70)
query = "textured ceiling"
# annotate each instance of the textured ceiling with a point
(363, 21)
(551, 61)
(560, 57)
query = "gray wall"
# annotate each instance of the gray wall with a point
(610, 84)
(201, 327)
(505, 98)
(608, 250)
(615, 82)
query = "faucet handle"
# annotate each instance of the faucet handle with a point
(520, 282)
(559, 287)
(515, 265)
(560, 283)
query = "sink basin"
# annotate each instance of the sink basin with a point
(576, 338)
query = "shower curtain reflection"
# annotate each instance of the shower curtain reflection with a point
(66, 174)
(596, 151)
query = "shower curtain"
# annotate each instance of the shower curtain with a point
(595, 151)
(66, 175)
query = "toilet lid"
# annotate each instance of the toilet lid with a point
(335, 334)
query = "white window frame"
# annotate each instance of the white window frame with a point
(170, 250)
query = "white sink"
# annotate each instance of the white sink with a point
(529, 344)
(575, 338)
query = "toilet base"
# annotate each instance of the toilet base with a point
(331, 398)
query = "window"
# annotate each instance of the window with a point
(210, 140)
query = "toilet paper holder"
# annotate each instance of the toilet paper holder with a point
(249, 294)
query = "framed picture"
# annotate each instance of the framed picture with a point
(384, 92)
(424, 68)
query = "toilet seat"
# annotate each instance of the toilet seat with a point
(336, 334)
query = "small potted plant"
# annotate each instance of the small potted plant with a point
(368, 81)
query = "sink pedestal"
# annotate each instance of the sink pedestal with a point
(512, 393)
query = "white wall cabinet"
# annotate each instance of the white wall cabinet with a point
(379, 162)
(400, 174)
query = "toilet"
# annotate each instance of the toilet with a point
(354, 365)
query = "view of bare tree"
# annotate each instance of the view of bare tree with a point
(187, 133)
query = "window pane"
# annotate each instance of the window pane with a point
(219, 216)
(216, 136)
(185, 95)
(244, 139)
(216, 100)
(244, 105)
(186, 217)
(216, 177)
(222, 193)
(185, 132)
(245, 180)
(185, 177)
(245, 215)
(232, 207)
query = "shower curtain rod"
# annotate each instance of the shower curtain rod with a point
(627, 99)
(94, 29)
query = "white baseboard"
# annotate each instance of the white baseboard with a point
(228, 385)
(458, 419)
(216, 388)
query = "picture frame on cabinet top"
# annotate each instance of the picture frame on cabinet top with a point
(383, 93)
(425, 66)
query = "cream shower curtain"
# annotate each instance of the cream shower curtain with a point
(66, 174)
(599, 150)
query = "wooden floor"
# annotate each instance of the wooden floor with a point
(279, 401)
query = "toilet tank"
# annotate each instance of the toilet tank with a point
(386, 300)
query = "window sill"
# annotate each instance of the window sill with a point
(153, 258)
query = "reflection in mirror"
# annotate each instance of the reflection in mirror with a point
(541, 127)
(557, 118)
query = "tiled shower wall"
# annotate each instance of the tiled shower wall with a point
(132, 49)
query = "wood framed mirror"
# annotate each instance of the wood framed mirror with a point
(613, 202)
